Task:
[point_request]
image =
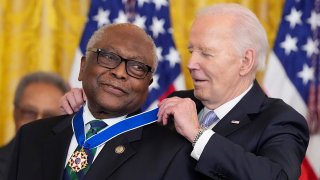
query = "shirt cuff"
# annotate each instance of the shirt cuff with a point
(201, 143)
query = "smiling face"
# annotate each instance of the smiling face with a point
(215, 65)
(112, 92)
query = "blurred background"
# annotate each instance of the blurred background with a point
(50, 35)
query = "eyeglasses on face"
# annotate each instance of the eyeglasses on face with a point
(111, 60)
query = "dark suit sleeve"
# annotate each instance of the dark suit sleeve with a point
(280, 150)
(182, 166)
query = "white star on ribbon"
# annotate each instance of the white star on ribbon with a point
(102, 17)
(157, 27)
(289, 44)
(307, 74)
(122, 18)
(311, 47)
(173, 57)
(314, 20)
(155, 83)
(294, 18)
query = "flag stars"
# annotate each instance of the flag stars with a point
(141, 2)
(311, 47)
(289, 44)
(173, 57)
(122, 18)
(155, 83)
(314, 20)
(294, 18)
(140, 21)
(159, 3)
(307, 74)
(159, 53)
(102, 17)
(157, 27)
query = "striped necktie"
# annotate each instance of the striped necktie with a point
(69, 174)
(209, 119)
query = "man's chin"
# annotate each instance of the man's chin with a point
(198, 93)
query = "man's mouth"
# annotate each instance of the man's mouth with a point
(113, 89)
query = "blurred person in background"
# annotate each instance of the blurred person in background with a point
(36, 97)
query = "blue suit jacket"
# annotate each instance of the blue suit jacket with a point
(269, 142)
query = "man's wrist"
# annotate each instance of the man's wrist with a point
(200, 132)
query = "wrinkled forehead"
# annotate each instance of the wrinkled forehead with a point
(212, 27)
(129, 41)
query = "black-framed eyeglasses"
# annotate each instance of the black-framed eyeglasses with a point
(111, 60)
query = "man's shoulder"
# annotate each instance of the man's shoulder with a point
(274, 106)
(164, 135)
(43, 125)
(6, 150)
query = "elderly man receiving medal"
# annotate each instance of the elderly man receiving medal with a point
(107, 138)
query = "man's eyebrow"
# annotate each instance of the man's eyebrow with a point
(201, 48)
(132, 57)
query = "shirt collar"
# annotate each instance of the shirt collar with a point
(87, 117)
(222, 110)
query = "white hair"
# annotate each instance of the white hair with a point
(248, 33)
(98, 35)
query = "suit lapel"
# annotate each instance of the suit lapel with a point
(108, 160)
(240, 115)
(56, 149)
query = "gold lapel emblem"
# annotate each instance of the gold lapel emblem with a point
(119, 149)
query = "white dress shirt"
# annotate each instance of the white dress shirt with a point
(87, 117)
(220, 112)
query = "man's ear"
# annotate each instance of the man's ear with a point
(82, 66)
(247, 62)
(150, 82)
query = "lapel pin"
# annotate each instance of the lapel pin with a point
(235, 122)
(119, 149)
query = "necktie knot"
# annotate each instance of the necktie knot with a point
(209, 119)
(95, 127)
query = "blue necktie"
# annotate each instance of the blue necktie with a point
(69, 174)
(209, 119)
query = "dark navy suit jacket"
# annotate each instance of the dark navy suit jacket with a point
(152, 152)
(269, 142)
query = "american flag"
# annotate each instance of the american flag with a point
(154, 18)
(293, 71)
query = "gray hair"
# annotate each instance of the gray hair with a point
(97, 35)
(40, 77)
(247, 32)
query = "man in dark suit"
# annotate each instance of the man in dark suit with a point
(37, 96)
(238, 133)
(115, 73)
(247, 134)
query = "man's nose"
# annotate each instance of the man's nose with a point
(193, 61)
(120, 71)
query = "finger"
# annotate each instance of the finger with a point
(165, 104)
(65, 106)
(84, 95)
(72, 101)
(78, 95)
(166, 111)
